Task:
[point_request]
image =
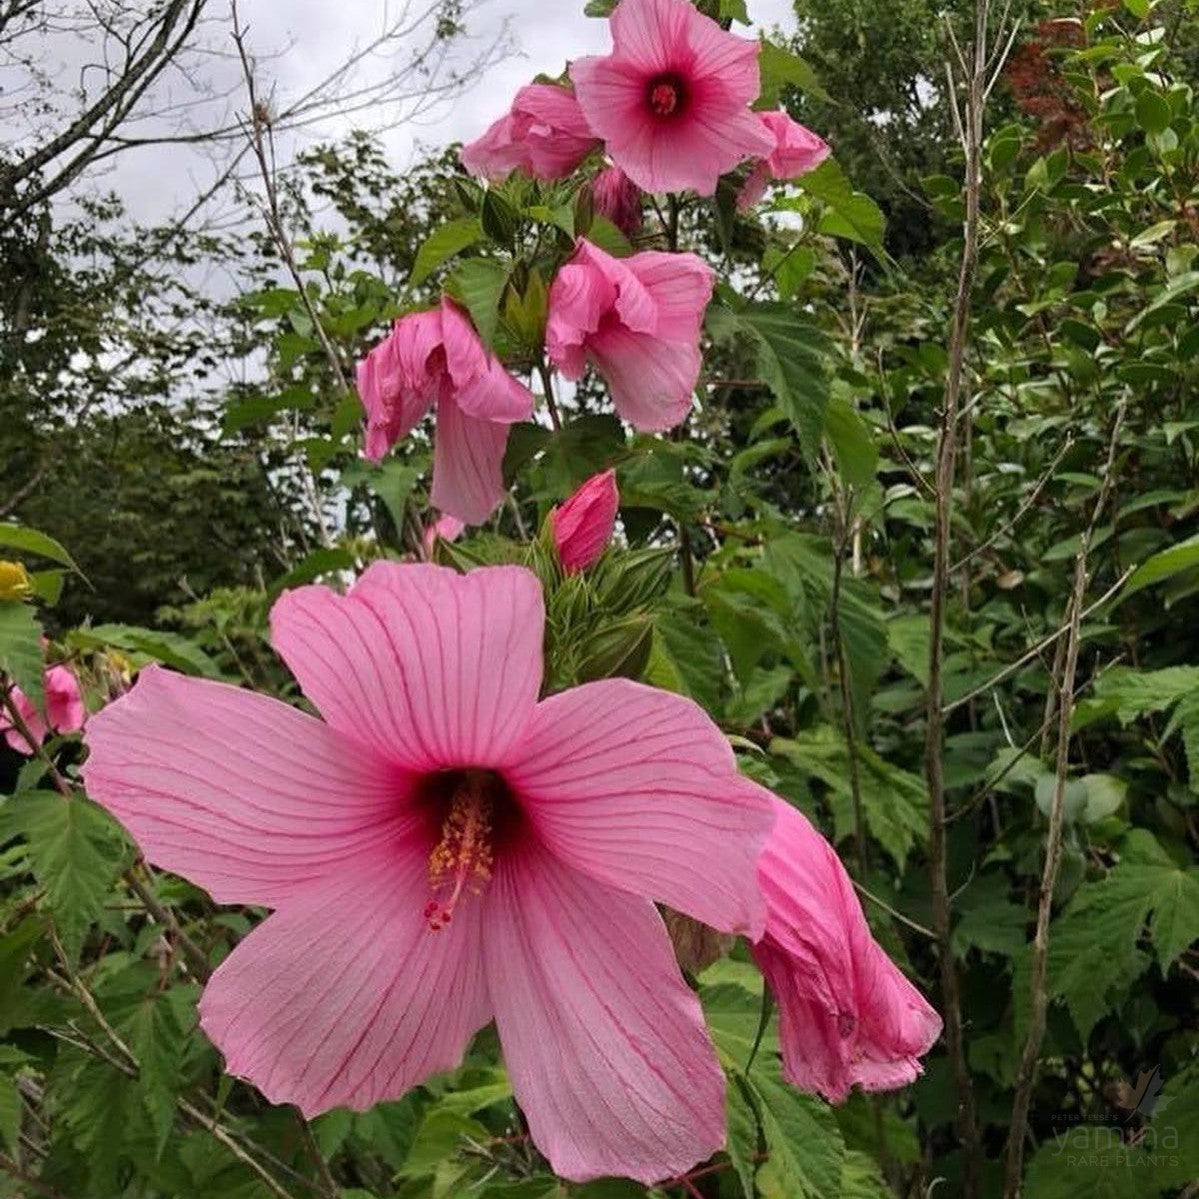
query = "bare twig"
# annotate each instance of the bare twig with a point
(968, 120)
(1038, 996)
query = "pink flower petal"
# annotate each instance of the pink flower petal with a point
(64, 702)
(724, 65)
(652, 381)
(33, 723)
(638, 788)
(468, 464)
(345, 997)
(652, 34)
(243, 795)
(544, 134)
(848, 1016)
(681, 286)
(429, 668)
(604, 1042)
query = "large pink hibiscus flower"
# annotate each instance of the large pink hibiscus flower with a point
(672, 99)
(443, 849)
(638, 320)
(437, 358)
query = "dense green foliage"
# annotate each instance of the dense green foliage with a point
(778, 570)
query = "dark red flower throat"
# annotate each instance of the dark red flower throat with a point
(667, 95)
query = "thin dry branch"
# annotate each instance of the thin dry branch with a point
(1038, 995)
(968, 119)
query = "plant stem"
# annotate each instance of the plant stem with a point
(1038, 995)
(969, 125)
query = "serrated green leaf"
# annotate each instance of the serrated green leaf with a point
(21, 649)
(1093, 951)
(850, 214)
(792, 362)
(852, 442)
(805, 1151)
(779, 66)
(75, 852)
(743, 1133)
(894, 801)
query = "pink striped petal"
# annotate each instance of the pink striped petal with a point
(638, 788)
(848, 1016)
(604, 1042)
(428, 667)
(248, 798)
(652, 381)
(468, 461)
(345, 997)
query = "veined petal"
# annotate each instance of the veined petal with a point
(724, 60)
(651, 381)
(345, 996)
(604, 1042)
(612, 94)
(681, 286)
(428, 667)
(653, 34)
(637, 788)
(247, 797)
(468, 461)
(848, 1016)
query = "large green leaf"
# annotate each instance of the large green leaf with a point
(805, 1152)
(21, 649)
(442, 245)
(1164, 565)
(792, 361)
(848, 213)
(1093, 949)
(478, 283)
(171, 649)
(30, 541)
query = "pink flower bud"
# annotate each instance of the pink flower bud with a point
(582, 526)
(444, 528)
(615, 196)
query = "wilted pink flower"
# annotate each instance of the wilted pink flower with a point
(437, 358)
(444, 849)
(445, 528)
(65, 711)
(582, 526)
(671, 100)
(615, 196)
(848, 1016)
(797, 150)
(638, 320)
(544, 134)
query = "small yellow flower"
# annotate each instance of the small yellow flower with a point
(14, 581)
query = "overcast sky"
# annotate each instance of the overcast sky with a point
(298, 42)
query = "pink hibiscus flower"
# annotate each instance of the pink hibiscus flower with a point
(544, 134)
(616, 197)
(582, 526)
(637, 319)
(443, 849)
(671, 100)
(65, 711)
(848, 1016)
(437, 358)
(797, 150)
